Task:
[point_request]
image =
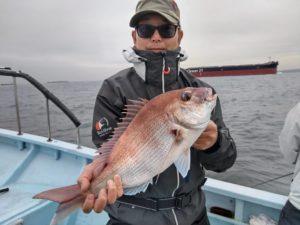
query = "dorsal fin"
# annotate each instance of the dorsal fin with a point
(130, 111)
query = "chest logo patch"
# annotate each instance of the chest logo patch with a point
(102, 127)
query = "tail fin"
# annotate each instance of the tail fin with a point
(69, 197)
(66, 208)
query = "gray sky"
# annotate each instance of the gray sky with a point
(83, 40)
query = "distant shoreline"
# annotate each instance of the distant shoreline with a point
(290, 70)
(59, 81)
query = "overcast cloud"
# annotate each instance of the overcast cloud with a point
(83, 40)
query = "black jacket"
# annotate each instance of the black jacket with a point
(112, 97)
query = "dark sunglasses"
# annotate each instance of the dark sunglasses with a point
(147, 30)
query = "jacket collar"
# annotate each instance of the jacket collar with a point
(156, 68)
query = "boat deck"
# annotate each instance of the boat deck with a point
(28, 168)
(30, 164)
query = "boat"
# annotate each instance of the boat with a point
(235, 70)
(30, 164)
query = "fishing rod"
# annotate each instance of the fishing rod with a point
(273, 179)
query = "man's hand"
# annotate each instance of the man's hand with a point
(208, 138)
(106, 195)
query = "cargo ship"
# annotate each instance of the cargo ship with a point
(235, 70)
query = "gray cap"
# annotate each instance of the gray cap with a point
(166, 8)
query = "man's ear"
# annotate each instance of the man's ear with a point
(133, 35)
(180, 35)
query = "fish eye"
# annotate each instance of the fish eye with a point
(186, 96)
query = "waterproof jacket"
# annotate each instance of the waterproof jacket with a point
(289, 140)
(147, 80)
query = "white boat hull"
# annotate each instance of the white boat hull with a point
(30, 164)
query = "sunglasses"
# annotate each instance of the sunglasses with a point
(147, 30)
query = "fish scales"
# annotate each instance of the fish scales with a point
(150, 157)
(142, 155)
(159, 135)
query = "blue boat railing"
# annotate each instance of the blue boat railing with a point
(6, 71)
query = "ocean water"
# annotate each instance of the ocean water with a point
(254, 109)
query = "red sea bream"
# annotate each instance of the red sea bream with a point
(153, 135)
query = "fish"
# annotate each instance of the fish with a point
(153, 135)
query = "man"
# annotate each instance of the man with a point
(289, 141)
(156, 55)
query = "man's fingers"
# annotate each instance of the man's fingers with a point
(118, 182)
(106, 195)
(85, 178)
(88, 204)
(211, 127)
(84, 184)
(101, 201)
(111, 192)
(208, 138)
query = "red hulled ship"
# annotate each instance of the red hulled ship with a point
(235, 70)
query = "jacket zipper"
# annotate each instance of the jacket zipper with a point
(163, 75)
(173, 194)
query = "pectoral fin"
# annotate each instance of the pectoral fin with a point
(138, 189)
(178, 133)
(183, 163)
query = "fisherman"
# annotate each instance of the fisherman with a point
(289, 141)
(156, 57)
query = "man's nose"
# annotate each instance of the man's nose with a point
(156, 36)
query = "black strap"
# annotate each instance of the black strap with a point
(157, 204)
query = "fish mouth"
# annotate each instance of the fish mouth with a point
(211, 97)
(205, 94)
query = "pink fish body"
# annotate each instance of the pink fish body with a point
(153, 135)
